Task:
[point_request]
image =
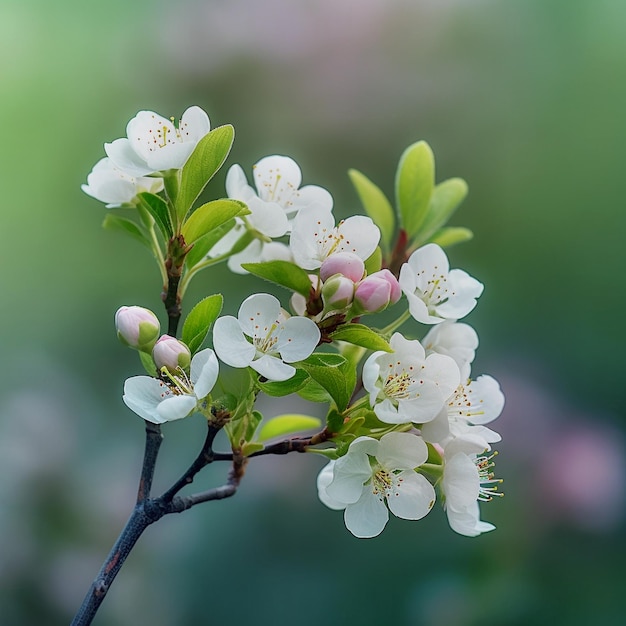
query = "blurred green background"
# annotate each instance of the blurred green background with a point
(524, 99)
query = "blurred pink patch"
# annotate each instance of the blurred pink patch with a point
(584, 475)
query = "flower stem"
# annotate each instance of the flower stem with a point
(396, 323)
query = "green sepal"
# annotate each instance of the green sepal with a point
(148, 364)
(203, 245)
(282, 273)
(287, 425)
(329, 453)
(445, 199)
(343, 442)
(285, 387)
(434, 457)
(376, 205)
(334, 373)
(199, 320)
(124, 225)
(210, 216)
(361, 335)
(374, 262)
(157, 207)
(451, 235)
(415, 180)
(206, 159)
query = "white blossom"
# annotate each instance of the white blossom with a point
(433, 290)
(264, 338)
(473, 404)
(453, 339)
(115, 187)
(154, 144)
(175, 395)
(373, 473)
(406, 385)
(467, 479)
(274, 203)
(314, 237)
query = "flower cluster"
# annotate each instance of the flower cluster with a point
(407, 422)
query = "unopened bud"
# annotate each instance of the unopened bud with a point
(170, 353)
(376, 292)
(337, 293)
(137, 327)
(396, 290)
(349, 265)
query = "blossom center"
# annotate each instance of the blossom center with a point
(179, 384)
(384, 483)
(462, 404)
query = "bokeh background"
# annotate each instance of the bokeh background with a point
(525, 99)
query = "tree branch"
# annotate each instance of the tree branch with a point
(154, 438)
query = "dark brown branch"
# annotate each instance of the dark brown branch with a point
(154, 439)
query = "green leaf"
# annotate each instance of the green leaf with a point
(451, 235)
(210, 216)
(334, 373)
(148, 364)
(202, 246)
(313, 392)
(285, 387)
(415, 180)
(361, 335)
(287, 425)
(282, 273)
(375, 204)
(157, 207)
(251, 447)
(124, 225)
(206, 159)
(199, 320)
(446, 198)
(374, 262)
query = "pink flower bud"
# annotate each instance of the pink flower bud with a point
(373, 294)
(396, 290)
(345, 263)
(337, 293)
(170, 353)
(137, 327)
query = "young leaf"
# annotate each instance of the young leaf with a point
(157, 207)
(124, 225)
(203, 245)
(287, 425)
(375, 204)
(201, 166)
(285, 387)
(450, 236)
(361, 335)
(444, 201)
(210, 216)
(282, 273)
(199, 321)
(415, 179)
(334, 373)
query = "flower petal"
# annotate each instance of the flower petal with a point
(412, 496)
(176, 407)
(258, 313)
(126, 159)
(143, 395)
(350, 473)
(277, 179)
(230, 343)
(402, 451)
(273, 368)
(204, 372)
(368, 516)
(324, 478)
(297, 339)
